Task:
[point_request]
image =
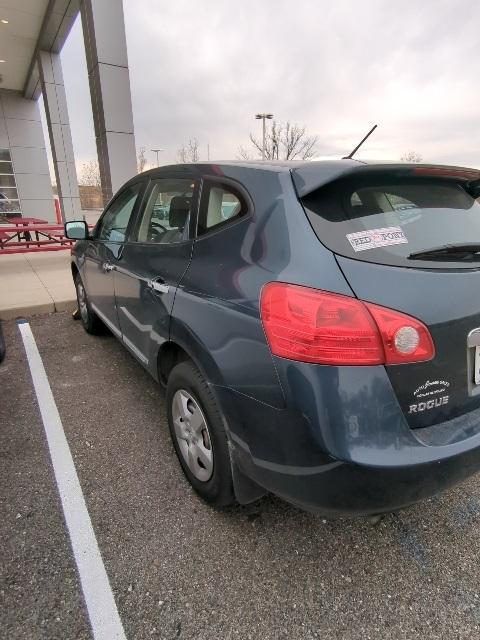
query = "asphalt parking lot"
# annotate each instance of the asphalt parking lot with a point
(178, 568)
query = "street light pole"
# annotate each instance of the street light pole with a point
(157, 151)
(263, 143)
(263, 117)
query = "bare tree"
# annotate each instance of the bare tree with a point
(90, 173)
(283, 141)
(141, 159)
(193, 150)
(243, 154)
(182, 154)
(411, 156)
(297, 143)
(189, 152)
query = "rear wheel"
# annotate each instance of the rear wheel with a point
(90, 321)
(2, 344)
(198, 435)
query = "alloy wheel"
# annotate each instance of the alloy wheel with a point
(82, 302)
(193, 437)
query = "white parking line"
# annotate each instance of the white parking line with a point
(101, 607)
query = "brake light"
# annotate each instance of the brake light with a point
(327, 328)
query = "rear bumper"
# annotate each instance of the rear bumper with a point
(341, 488)
(315, 455)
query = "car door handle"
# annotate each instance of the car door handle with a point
(158, 285)
(107, 266)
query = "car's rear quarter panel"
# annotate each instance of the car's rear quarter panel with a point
(446, 301)
(352, 413)
(221, 288)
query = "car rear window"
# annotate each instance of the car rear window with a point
(385, 219)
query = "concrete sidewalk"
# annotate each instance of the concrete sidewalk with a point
(34, 283)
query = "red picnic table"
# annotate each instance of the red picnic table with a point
(17, 238)
(20, 222)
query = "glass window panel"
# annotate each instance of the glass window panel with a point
(223, 204)
(8, 192)
(7, 181)
(166, 216)
(6, 167)
(385, 218)
(5, 154)
(9, 206)
(114, 222)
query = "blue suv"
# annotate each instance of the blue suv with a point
(316, 325)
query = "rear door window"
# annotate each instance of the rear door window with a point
(221, 203)
(386, 220)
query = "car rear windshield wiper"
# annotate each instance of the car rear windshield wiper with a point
(468, 250)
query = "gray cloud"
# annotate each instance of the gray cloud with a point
(203, 69)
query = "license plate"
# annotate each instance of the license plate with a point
(476, 366)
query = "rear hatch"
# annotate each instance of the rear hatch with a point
(406, 238)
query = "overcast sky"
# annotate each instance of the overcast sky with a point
(203, 69)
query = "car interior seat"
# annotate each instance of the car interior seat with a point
(177, 219)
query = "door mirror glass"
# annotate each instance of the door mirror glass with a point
(76, 230)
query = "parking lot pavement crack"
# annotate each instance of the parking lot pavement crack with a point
(40, 279)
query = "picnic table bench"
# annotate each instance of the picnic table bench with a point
(28, 235)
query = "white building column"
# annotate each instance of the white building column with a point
(21, 136)
(54, 98)
(107, 63)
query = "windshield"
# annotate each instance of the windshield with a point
(386, 219)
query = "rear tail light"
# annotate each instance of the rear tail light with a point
(405, 339)
(327, 328)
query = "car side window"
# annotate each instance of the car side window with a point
(166, 216)
(114, 222)
(220, 204)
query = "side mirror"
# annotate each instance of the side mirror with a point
(76, 230)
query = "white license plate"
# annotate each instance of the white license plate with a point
(476, 370)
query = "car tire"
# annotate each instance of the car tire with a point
(198, 435)
(2, 344)
(89, 319)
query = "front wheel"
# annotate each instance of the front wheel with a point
(90, 321)
(198, 435)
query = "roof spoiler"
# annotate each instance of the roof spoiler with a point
(310, 177)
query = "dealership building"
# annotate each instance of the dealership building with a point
(32, 34)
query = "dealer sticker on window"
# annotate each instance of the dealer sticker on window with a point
(373, 238)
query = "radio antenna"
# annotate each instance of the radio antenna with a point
(360, 143)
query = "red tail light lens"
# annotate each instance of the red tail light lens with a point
(327, 328)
